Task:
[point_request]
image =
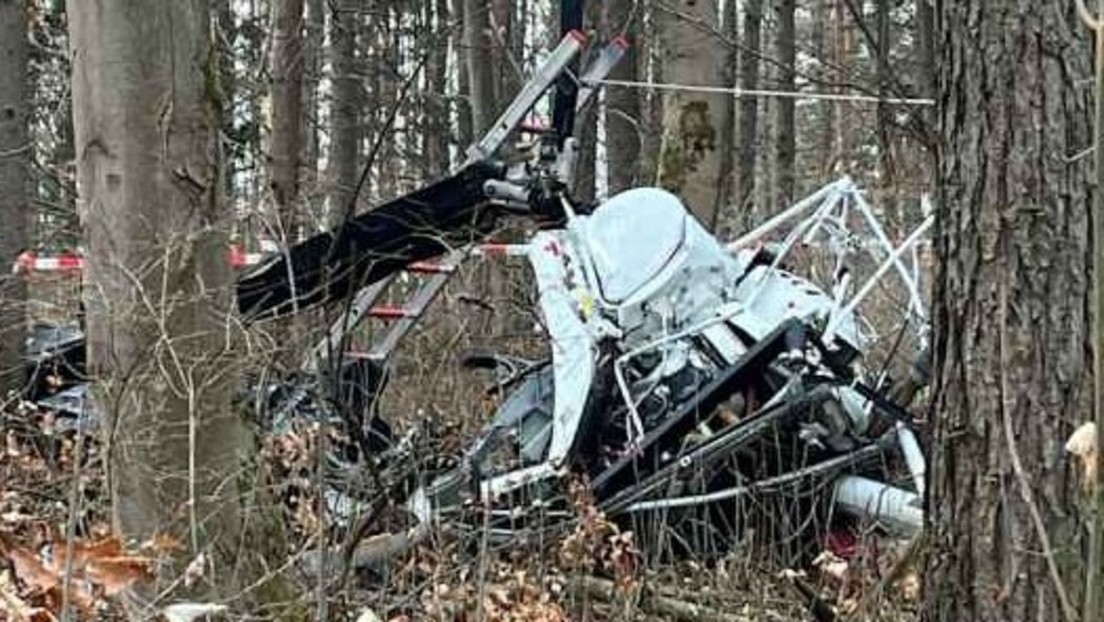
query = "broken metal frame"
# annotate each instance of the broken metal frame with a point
(510, 120)
(824, 213)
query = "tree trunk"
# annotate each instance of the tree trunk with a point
(225, 35)
(287, 111)
(346, 129)
(158, 288)
(315, 41)
(437, 118)
(458, 38)
(507, 79)
(884, 117)
(925, 47)
(749, 106)
(786, 148)
(15, 208)
(825, 110)
(1008, 524)
(723, 221)
(386, 64)
(926, 69)
(650, 68)
(691, 159)
(586, 125)
(480, 63)
(623, 120)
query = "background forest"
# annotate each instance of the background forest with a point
(139, 140)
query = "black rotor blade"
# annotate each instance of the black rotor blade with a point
(330, 266)
(567, 88)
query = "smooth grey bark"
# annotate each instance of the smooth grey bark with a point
(437, 124)
(748, 132)
(314, 42)
(158, 286)
(886, 172)
(15, 208)
(786, 144)
(346, 127)
(691, 162)
(624, 134)
(825, 110)
(287, 112)
(480, 60)
(458, 37)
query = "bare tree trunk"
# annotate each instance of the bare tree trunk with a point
(586, 128)
(925, 46)
(926, 69)
(315, 37)
(691, 159)
(884, 120)
(624, 134)
(346, 128)
(15, 208)
(825, 110)
(158, 283)
(480, 63)
(749, 106)
(386, 69)
(724, 219)
(287, 111)
(650, 67)
(458, 37)
(1012, 380)
(507, 79)
(786, 147)
(225, 35)
(844, 54)
(437, 118)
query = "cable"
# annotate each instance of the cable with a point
(738, 92)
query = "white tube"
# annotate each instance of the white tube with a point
(895, 257)
(892, 261)
(800, 230)
(892, 507)
(792, 212)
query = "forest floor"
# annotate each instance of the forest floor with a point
(54, 525)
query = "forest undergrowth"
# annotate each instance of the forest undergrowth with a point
(60, 553)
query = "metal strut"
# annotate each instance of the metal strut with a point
(436, 274)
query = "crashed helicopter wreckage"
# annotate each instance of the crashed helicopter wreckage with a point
(683, 374)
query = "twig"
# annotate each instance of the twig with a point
(71, 525)
(321, 444)
(1068, 612)
(14, 152)
(654, 602)
(1080, 154)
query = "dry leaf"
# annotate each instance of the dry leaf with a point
(12, 604)
(832, 565)
(104, 562)
(194, 571)
(30, 569)
(162, 544)
(1082, 445)
(45, 580)
(909, 586)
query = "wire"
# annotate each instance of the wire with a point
(738, 92)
